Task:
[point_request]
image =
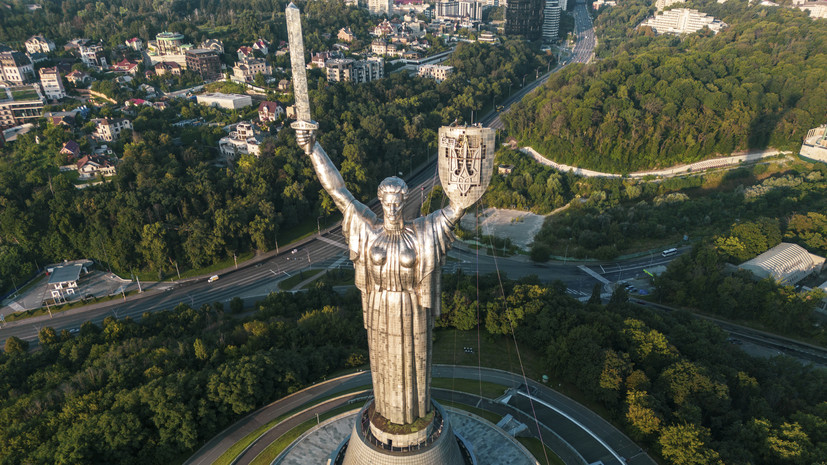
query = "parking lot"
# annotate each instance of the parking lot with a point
(94, 284)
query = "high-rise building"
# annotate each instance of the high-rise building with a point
(524, 18)
(551, 21)
(459, 9)
(204, 62)
(380, 7)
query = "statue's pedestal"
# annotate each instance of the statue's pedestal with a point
(434, 443)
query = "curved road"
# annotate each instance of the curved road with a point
(585, 445)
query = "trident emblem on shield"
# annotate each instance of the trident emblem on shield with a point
(466, 162)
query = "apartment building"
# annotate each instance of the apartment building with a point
(52, 83)
(683, 21)
(39, 44)
(17, 69)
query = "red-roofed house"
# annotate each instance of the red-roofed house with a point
(269, 111)
(135, 44)
(70, 148)
(245, 53)
(90, 165)
(77, 77)
(134, 102)
(262, 46)
(125, 66)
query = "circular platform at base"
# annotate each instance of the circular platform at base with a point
(491, 445)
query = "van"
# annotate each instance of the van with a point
(213, 278)
(669, 252)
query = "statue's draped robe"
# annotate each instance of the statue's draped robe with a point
(398, 273)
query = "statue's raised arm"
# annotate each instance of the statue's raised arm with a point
(328, 175)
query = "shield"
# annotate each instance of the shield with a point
(466, 162)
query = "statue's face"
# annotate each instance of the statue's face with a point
(392, 207)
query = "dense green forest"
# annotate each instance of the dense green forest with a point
(609, 217)
(672, 381)
(152, 391)
(701, 280)
(654, 101)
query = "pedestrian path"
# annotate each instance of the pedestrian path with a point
(666, 172)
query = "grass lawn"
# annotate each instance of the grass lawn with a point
(277, 447)
(292, 281)
(493, 352)
(536, 448)
(335, 278)
(490, 416)
(479, 388)
(24, 94)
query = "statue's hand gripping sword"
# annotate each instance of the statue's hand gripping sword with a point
(304, 125)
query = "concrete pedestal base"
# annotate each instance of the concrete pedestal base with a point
(440, 447)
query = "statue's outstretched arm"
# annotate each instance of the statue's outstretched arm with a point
(453, 213)
(328, 175)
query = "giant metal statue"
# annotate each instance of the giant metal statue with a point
(397, 268)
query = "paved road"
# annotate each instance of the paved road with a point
(583, 443)
(582, 53)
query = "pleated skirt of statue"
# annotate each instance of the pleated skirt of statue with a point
(398, 339)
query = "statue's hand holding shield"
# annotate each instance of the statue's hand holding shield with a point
(466, 163)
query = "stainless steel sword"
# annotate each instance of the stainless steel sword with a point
(294, 38)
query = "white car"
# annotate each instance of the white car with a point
(213, 278)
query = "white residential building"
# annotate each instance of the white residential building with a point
(246, 71)
(683, 21)
(52, 84)
(16, 68)
(438, 73)
(39, 44)
(241, 141)
(110, 129)
(817, 9)
(348, 69)
(380, 7)
(551, 21)
(269, 111)
(135, 43)
(93, 56)
(815, 144)
(456, 9)
(228, 101)
(92, 165)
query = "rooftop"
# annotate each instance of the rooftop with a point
(63, 274)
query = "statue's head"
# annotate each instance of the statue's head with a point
(391, 193)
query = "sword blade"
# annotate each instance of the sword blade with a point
(296, 42)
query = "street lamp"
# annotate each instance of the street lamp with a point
(318, 228)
